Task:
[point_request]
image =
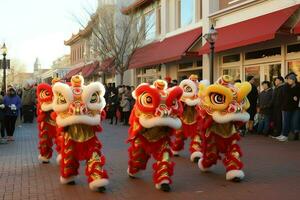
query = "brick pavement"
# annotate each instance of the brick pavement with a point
(272, 172)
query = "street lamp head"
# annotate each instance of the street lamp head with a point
(4, 50)
(212, 35)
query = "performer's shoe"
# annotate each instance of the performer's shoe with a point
(58, 159)
(202, 168)
(175, 153)
(68, 181)
(164, 185)
(235, 175)
(43, 159)
(98, 185)
(195, 156)
(133, 176)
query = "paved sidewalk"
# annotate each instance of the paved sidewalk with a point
(272, 172)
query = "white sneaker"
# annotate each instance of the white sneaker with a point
(279, 137)
(283, 139)
(3, 141)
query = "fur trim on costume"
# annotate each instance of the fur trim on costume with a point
(78, 119)
(58, 159)
(46, 107)
(243, 117)
(87, 93)
(232, 174)
(175, 153)
(67, 93)
(136, 175)
(43, 159)
(196, 154)
(160, 121)
(203, 169)
(164, 181)
(191, 102)
(96, 184)
(67, 180)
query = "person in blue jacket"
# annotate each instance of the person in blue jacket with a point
(12, 103)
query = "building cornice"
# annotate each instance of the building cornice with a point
(135, 6)
(84, 32)
(235, 8)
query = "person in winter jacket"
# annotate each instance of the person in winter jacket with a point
(12, 103)
(125, 105)
(112, 105)
(290, 108)
(252, 97)
(278, 94)
(265, 108)
(28, 103)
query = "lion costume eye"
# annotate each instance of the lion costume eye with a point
(217, 98)
(146, 100)
(61, 99)
(95, 98)
(44, 94)
(187, 88)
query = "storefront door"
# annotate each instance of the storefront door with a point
(263, 72)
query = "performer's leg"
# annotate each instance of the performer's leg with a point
(45, 145)
(233, 163)
(178, 143)
(163, 168)
(69, 164)
(210, 153)
(97, 176)
(138, 158)
(195, 148)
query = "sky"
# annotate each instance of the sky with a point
(38, 28)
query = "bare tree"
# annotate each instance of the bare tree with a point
(117, 36)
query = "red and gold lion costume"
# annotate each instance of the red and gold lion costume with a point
(153, 120)
(46, 124)
(189, 119)
(79, 112)
(223, 108)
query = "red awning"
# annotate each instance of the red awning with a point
(72, 73)
(106, 64)
(169, 50)
(251, 31)
(296, 29)
(88, 69)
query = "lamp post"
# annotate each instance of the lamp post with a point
(211, 38)
(4, 53)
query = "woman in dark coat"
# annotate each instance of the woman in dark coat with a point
(113, 103)
(278, 94)
(252, 97)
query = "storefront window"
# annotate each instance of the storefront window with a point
(150, 23)
(233, 72)
(186, 12)
(231, 58)
(272, 71)
(253, 71)
(263, 53)
(293, 48)
(294, 66)
(185, 65)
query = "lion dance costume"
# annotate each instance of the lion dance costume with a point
(79, 112)
(223, 108)
(46, 124)
(153, 120)
(189, 119)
